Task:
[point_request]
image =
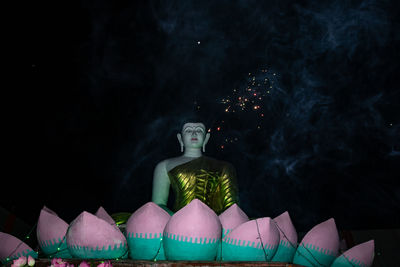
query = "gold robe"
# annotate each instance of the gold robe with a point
(209, 180)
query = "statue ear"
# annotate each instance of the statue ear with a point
(206, 141)
(180, 140)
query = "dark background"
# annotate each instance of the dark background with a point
(111, 83)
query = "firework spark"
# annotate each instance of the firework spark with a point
(251, 98)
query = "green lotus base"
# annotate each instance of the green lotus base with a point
(236, 250)
(285, 252)
(188, 249)
(343, 262)
(312, 256)
(56, 249)
(25, 253)
(146, 246)
(224, 233)
(80, 252)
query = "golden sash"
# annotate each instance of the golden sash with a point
(209, 180)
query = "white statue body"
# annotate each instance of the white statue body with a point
(192, 140)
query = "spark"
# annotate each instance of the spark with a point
(251, 97)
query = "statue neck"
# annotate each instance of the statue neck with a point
(192, 152)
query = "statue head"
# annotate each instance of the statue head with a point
(193, 136)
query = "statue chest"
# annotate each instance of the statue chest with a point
(200, 183)
(189, 183)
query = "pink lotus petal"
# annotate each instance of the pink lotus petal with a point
(31, 261)
(195, 220)
(324, 236)
(233, 217)
(87, 230)
(50, 226)
(83, 264)
(9, 244)
(286, 228)
(55, 261)
(58, 262)
(21, 261)
(105, 264)
(102, 214)
(149, 218)
(49, 210)
(363, 252)
(253, 230)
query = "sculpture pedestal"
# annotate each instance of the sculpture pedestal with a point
(126, 263)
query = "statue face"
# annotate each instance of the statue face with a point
(193, 135)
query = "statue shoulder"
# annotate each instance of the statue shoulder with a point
(161, 166)
(173, 162)
(167, 164)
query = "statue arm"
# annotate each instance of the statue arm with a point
(161, 184)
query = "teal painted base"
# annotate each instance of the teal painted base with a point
(25, 253)
(56, 249)
(237, 250)
(313, 256)
(145, 246)
(285, 252)
(188, 249)
(224, 233)
(79, 252)
(342, 262)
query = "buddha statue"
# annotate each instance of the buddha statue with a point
(193, 175)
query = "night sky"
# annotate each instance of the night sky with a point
(112, 82)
